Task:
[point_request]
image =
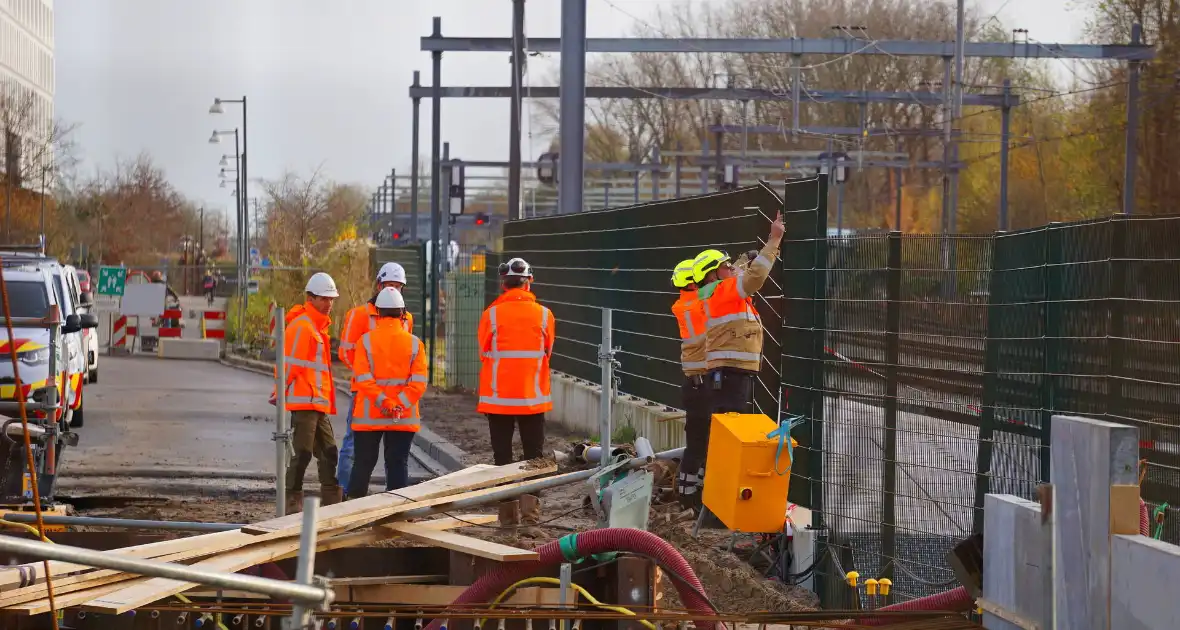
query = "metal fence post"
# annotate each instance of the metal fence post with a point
(1053, 295)
(892, 358)
(1117, 308)
(282, 435)
(304, 571)
(990, 396)
(606, 360)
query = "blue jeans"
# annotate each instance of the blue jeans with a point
(344, 465)
(397, 459)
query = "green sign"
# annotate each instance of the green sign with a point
(111, 280)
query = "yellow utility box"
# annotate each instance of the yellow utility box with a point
(742, 487)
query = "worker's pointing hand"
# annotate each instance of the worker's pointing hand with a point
(777, 229)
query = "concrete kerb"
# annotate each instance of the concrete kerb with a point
(431, 450)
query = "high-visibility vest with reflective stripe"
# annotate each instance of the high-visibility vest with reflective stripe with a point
(516, 337)
(391, 365)
(733, 331)
(358, 321)
(690, 316)
(307, 354)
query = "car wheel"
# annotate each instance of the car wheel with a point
(78, 418)
(93, 377)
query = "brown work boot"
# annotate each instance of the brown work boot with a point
(331, 494)
(294, 502)
(530, 509)
(510, 513)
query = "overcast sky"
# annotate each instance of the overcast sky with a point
(326, 79)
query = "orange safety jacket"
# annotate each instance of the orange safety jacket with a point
(358, 321)
(307, 354)
(690, 315)
(733, 329)
(516, 337)
(390, 365)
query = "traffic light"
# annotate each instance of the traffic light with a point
(396, 235)
(481, 218)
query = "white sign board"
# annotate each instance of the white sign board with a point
(144, 300)
(106, 303)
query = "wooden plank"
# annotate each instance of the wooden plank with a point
(439, 487)
(1013, 575)
(196, 546)
(1088, 457)
(1143, 580)
(464, 544)
(70, 600)
(156, 589)
(389, 579)
(439, 595)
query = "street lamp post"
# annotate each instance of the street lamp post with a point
(244, 177)
(239, 163)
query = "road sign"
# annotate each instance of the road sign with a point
(111, 280)
(104, 303)
(252, 286)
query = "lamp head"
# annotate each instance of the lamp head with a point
(216, 107)
(215, 138)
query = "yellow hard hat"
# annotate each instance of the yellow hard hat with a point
(707, 261)
(683, 275)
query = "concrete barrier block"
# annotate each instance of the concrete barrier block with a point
(201, 349)
(575, 406)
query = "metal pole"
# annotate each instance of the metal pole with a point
(679, 166)
(282, 434)
(1132, 135)
(245, 186)
(704, 165)
(946, 143)
(606, 362)
(435, 209)
(305, 569)
(953, 216)
(719, 160)
(796, 89)
(839, 207)
(518, 61)
(392, 202)
(414, 165)
(276, 589)
(572, 105)
(897, 209)
(1005, 136)
(122, 523)
(635, 186)
(655, 174)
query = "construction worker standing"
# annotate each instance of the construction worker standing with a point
(733, 341)
(360, 320)
(516, 337)
(690, 316)
(390, 378)
(311, 392)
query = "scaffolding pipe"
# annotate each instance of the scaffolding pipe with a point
(122, 523)
(282, 435)
(276, 589)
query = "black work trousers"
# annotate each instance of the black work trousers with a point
(732, 389)
(367, 446)
(698, 415)
(532, 436)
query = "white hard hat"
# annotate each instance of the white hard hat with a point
(389, 297)
(322, 284)
(516, 267)
(391, 272)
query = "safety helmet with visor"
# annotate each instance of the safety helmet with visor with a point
(707, 261)
(683, 275)
(516, 268)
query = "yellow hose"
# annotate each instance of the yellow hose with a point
(581, 591)
(26, 527)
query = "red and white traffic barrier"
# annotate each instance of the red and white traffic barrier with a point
(170, 316)
(119, 334)
(213, 325)
(271, 328)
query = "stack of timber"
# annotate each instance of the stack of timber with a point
(353, 523)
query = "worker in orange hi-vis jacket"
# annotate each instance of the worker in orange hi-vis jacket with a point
(390, 379)
(733, 330)
(516, 337)
(698, 412)
(310, 391)
(358, 321)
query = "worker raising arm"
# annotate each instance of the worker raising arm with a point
(733, 339)
(311, 393)
(390, 379)
(690, 316)
(360, 320)
(516, 340)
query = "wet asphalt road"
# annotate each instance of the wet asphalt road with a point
(161, 425)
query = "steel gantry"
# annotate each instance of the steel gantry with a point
(573, 46)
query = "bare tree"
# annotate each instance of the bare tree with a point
(35, 149)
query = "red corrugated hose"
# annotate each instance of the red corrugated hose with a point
(587, 544)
